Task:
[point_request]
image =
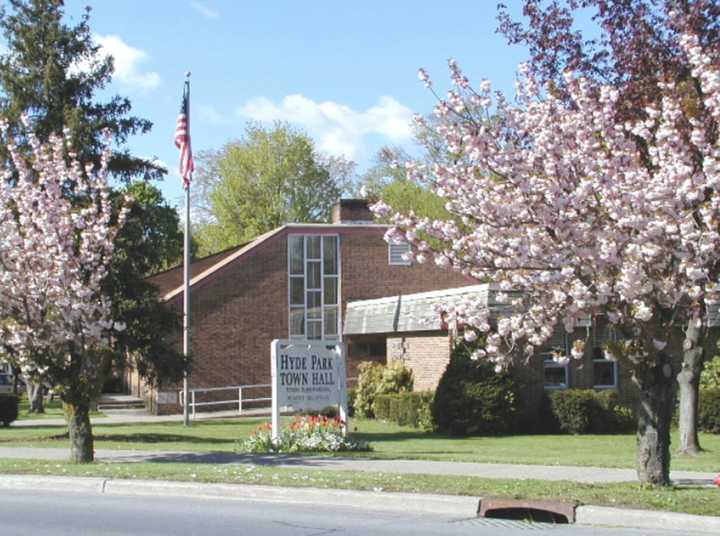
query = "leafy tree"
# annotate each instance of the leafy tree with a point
(555, 200)
(636, 48)
(51, 72)
(268, 178)
(56, 320)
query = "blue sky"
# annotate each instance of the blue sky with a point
(344, 72)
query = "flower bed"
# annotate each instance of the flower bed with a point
(313, 433)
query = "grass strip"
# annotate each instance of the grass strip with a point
(700, 501)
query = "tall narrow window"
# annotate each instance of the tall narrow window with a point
(314, 286)
(604, 369)
(556, 362)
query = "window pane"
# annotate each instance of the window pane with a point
(397, 253)
(555, 376)
(295, 250)
(313, 304)
(330, 255)
(314, 327)
(297, 290)
(331, 321)
(297, 321)
(313, 247)
(313, 275)
(330, 286)
(604, 373)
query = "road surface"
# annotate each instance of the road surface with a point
(41, 513)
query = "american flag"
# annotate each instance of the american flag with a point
(182, 138)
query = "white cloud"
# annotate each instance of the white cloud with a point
(204, 10)
(337, 129)
(127, 60)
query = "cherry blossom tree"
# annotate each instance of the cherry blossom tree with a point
(55, 321)
(574, 214)
(632, 45)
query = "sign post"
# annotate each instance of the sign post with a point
(307, 376)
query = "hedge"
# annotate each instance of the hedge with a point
(406, 409)
(709, 411)
(377, 379)
(585, 411)
(8, 409)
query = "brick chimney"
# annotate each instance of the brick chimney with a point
(352, 211)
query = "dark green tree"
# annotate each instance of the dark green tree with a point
(51, 73)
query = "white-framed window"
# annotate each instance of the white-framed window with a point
(397, 252)
(556, 373)
(605, 371)
(314, 286)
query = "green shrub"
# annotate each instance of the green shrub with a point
(351, 402)
(472, 399)
(406, 409)
(382, 407)
(585, 411)
(377, 379)
(8, 409)
(709, 411)
(710, 377)
(537, 417)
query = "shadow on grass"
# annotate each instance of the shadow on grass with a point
(161, 438)
(402, 436)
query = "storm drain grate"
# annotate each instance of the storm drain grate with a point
(506, 524)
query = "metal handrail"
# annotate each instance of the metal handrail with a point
(239, 400)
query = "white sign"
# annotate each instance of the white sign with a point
(307, 376)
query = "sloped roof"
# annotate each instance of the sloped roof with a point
(412, 312)
(172, 278)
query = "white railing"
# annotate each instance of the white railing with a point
(238, 400)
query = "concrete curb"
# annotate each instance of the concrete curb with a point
(645, 519)
(449, 505)
(416, 503)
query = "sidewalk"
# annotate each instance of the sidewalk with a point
(140, 417)
(589, 475)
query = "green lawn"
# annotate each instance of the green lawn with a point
(53, 410)
(690, 500)
(387, 440)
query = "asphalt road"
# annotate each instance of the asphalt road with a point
(40, 513)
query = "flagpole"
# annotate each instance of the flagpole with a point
(186, 285)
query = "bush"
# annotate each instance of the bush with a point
(710, 377)
(709, 411)
(538, 417)
(8, 409)
(351, 402)
(472, 399)
(585, 411)
(376, 379)
(406, 409)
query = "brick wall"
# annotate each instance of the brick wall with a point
(426, 354)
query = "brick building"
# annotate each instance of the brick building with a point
(334, 281)
(293, 282)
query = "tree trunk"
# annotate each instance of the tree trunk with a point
(657, 392)
(77, 414)
(35, 393)
(689, 382)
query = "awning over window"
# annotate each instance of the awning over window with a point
(412, 312)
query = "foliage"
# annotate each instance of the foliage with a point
(473, 399)
(351, 393)
(586, 411)
(375, 379)
(52, 72)
(710, 377)
(406, 409)
(266, 179)
(709, 410)
(8, 409)
(305, 434)
(584, 212)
